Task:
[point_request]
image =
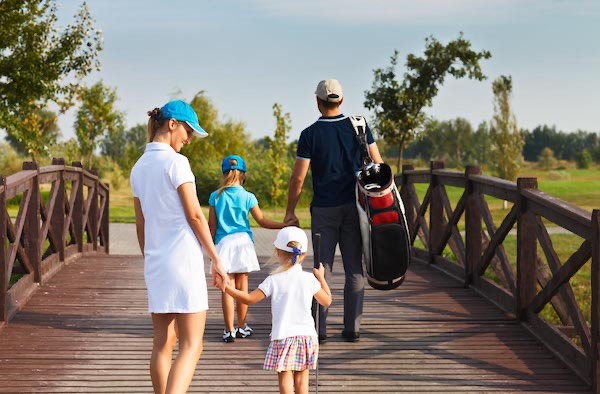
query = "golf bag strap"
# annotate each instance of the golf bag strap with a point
(360, 128)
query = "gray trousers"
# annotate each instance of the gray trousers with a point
(340, 225)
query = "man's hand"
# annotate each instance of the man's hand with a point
(291, 219)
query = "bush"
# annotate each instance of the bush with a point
(546, 160)
(10, 161)
(559, 175)
(583, 159)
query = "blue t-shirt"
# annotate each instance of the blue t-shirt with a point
(231, 209)
(334, 153)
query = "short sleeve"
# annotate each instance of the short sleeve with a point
(370, 139)
(267, 286)
(251, 201)
(314, 284)
(212, 200)
(180, 172)
(133, 183)
(304, 146)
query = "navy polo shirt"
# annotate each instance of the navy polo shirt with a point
(334, 153)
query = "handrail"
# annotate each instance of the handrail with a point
(47, 232)
(526, 286)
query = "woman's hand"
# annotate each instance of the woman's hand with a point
(219, 275)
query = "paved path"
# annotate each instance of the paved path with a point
(123, 240)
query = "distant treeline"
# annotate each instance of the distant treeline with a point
(457, 143)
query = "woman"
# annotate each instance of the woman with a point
(172, 230)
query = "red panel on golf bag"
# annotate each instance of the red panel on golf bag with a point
(382, 202)
(385, 217)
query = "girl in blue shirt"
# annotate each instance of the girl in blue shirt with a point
(230, 228)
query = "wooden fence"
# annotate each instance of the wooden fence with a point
(62, 214)
(478, 257)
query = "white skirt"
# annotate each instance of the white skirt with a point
(237, 253)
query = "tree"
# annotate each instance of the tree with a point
(546, 159)
(507, 149)
(42, 130)
(96, 117)
(279, 157)
(482, 145)
(40, 64)
(398, 107)
(583, 159)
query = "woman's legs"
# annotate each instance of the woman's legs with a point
(301, 381)
(163, 343)
(286, 382)
(191, 332)
(228, 308)
(241, 283)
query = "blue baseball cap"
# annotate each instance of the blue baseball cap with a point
(226, 164)
(183, 112)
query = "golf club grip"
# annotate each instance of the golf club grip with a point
(317, 250)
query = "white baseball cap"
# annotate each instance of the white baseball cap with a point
(329, 90)
(289, 234)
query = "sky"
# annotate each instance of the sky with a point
(247, 55)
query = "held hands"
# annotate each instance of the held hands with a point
(291, 219)
(319, 272)
(220, 277)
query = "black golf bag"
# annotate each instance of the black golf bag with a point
(385, 237)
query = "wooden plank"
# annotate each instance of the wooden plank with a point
(595, 313)
(566, 272)
(87, 330)
(4, 276)
(566, 293)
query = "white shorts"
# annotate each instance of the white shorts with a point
(237, 253)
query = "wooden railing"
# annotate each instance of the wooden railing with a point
(44, 234)
(477, 255)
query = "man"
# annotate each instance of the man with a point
(330, 148)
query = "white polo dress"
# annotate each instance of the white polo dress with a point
(173, 262)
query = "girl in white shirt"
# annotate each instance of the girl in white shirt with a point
(294, 346)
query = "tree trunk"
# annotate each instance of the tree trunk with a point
(400, 154)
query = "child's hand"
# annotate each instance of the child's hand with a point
(319, 272)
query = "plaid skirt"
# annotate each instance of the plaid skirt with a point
(292, 354)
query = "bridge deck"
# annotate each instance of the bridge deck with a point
(87, 330)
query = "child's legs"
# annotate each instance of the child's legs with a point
(301, 381)
(191, 331)
(163, 343)
(286, 382)
(241, 283)
(228, 307)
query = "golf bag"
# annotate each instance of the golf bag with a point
(385, 237)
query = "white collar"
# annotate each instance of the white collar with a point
(158, 146)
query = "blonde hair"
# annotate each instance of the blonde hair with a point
(284, 258)
(231, 177)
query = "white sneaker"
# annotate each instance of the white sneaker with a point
(244, 332)
(228, 336)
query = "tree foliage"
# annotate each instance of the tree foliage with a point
(507, 149)
(398, 107)
(279, 159)
(43, 132)
(97, 117)
(546, 159)
(40, 63)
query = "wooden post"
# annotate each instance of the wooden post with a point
(473, 238)
(405, 195)
(436, 211)
(93, 213)
(3, 253)
(57, 224)
(78, 209)
(106, 222)
(31, 229)
(595, 370)
(526, 250)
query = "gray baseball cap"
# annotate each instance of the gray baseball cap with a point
(329, 90)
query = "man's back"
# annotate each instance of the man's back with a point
(334, 153)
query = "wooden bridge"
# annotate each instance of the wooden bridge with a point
(481, 310)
